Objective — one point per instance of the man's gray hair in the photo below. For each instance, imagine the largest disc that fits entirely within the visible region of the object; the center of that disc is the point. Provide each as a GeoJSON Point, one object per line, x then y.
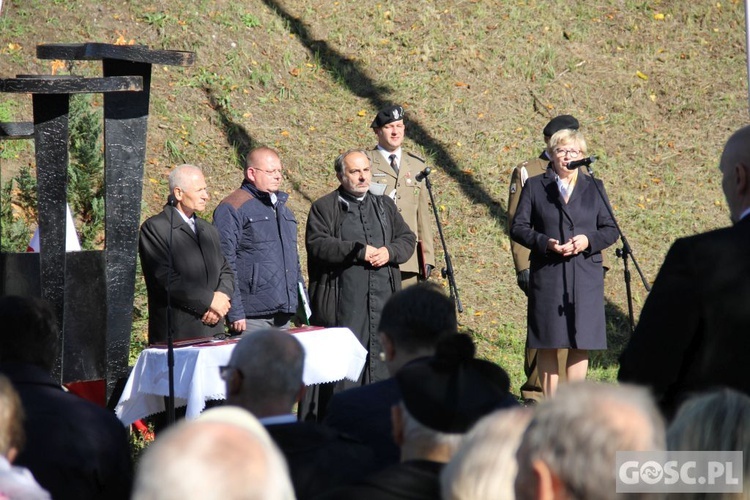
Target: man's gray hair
{"type": "Point", "coordinates": [180, 174]}
{"type": "Point", "coordinates": [271, 362]}
{"type": "Point", "coordinates": [485, 464]}
{"type": "Point", "coordinates": [421, 440]}
{"type": "Point", "coordinates": [718, 420]}
{"type": "Point", "coordinates": [338, 163]}
{"type": "Point", "coordinates": [578, 432]}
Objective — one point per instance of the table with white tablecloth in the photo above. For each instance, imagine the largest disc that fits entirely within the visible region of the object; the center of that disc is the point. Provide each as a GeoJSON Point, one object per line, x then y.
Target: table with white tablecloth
{"type": "Point", "coordinates": [331, 354]}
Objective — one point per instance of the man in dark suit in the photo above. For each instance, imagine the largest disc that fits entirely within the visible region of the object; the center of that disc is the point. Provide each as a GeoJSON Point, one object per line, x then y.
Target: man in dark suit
{"type": "Point", "coordinates": [264, 376]}
{"type": "Point", "coordinates": [183, 263]}
{"type": "Point", "coordinates": [694, 328]}
{"type": "Point", "coordinates": [413, 322]}
{"type": "Point", "coordinates": [75, 449]}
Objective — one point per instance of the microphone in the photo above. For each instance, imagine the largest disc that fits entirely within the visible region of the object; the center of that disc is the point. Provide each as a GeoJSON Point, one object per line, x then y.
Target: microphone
{"type": "Point", "coordinates": [582, 162]}
{"type": "Point", "coordinates": [424, 173]}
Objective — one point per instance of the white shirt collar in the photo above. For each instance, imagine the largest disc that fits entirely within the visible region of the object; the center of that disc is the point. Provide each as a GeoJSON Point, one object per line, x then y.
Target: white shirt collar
{"type": "Point", "coordinates": [288, 418]}
{"type": "Point", "coordinates": [190, 220]}
{"type": "Point", "coordinates": [385, 153]}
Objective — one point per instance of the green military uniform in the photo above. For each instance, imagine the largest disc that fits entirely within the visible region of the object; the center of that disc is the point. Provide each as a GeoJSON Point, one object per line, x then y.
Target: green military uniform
{"type": "Point", "coordinates": [412, 201]}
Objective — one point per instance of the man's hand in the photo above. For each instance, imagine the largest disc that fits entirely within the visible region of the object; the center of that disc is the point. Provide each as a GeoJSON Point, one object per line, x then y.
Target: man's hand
{"type": "Point", "coordinates": [369, 251]}
{"type": "Point", "coordinates": [218, 309]}
{"type": "Point", "coordinates": [220, 304]}
{"type": "Point", "coordinates": [522, 278]}
{"type": "Point", "coordinates": [238, 326]}
{"type": "Point", "coordinates": [379, 257]}
{"type": "Point", "coordinates": [210, 318]}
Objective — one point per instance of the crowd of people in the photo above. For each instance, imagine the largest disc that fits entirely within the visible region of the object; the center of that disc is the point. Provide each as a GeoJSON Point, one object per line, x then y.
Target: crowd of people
{"type": "Point", "coordinates": [427, 419]}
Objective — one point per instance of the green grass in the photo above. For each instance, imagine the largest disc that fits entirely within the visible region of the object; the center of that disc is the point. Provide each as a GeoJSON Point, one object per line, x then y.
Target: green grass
{"type": "Point", "coordinates": [478, 79]}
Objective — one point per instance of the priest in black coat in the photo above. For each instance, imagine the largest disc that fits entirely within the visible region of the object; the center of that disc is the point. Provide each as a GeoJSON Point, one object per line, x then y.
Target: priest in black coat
{"type": "Point", "coordinates": [355, 242]}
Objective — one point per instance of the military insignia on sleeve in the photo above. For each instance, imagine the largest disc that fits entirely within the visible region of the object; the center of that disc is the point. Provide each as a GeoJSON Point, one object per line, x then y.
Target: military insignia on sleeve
{"type": "Point", "coordinates": [513, 188]}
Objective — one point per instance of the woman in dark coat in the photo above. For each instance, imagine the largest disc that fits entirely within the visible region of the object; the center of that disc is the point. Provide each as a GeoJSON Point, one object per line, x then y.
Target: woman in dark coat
{"type": "Point", "coordinates": [563, 220]}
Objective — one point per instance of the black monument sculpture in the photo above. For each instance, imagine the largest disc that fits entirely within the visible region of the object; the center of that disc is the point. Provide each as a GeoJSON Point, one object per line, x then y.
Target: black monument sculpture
{"type": "Point", "coordinates": [92, 291]}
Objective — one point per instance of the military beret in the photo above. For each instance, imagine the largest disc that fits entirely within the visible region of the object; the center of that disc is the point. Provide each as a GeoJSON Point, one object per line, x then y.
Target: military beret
{"type": "Point", "coordinates": [559, 123]}
{"type": "Point", "coordinates": [452, 390]}
{"type": "Point", "coordinates": [387, 115]}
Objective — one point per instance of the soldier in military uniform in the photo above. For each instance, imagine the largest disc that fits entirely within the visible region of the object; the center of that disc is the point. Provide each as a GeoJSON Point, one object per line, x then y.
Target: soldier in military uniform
{"type": "Point", "coordinates": [394, 173]}
{"type": "Point", "coordinates": [531, 390]}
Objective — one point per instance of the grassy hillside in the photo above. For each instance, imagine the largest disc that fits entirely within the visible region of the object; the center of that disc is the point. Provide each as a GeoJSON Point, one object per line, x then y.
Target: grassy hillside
{"type": "Point", "coordinates": [658, 87]}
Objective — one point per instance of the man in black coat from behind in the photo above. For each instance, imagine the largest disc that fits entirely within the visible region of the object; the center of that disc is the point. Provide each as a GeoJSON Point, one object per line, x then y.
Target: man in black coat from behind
{"type": "Point", "coordinates": [412, 323]}
{"type": "Point", "coordinates": [264, 376]}
{"type": "Point", "coordinates": [692, 335]}
{"type": "Point", "coordinates": [75, 449]}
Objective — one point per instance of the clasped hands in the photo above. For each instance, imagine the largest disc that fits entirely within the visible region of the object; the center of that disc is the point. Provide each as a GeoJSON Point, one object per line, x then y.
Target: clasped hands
{"type": "Point", "coordinates": [377, 257]}
{"type": "Point", "coordinates": [573, 246]}
{"type": "Point", "coordinates": [218, 309]}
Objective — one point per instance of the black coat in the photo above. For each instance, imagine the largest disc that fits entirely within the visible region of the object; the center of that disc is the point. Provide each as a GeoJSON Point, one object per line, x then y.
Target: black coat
{"type": "Point", "coordinates": [412, 480]}
{"type": "Point", "coordinates": [566, 294]}
{"type": "Point", "coordinates": [365, 413]}
{"type": "Point", "coordinates": [75, 449]}
{"type": "Point", "coordinates": [694, 329]}
{"type": "Point", "coordinates": [199, 269]}
{"type": "Point", "coordinates": [344, 289]}
{"type": "Point", "coordinates": [328, 255]}
{"type": "Point", "coordinates": [320, 459]}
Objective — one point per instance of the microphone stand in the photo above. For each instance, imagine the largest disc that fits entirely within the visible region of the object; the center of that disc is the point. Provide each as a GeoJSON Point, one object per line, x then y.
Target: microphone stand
{"type": "Point", "coordinates": [170, 334]}
{"type": "Point", "coordinates": [447, 271]}
{"type": "Point", "coordinates": [623, 253]}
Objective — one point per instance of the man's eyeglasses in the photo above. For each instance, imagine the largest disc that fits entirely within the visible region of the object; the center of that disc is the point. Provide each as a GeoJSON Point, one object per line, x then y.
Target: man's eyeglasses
{"type": "Point", "coordinates": [573, 153]}
{"type": "Point", "coordinates": [272, 173]}
{"type": "Point", "coordinates": [225, 372]}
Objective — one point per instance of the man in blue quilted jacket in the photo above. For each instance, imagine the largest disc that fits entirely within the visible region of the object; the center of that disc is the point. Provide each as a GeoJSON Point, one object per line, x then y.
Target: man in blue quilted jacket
{"type": "Point", "coordinates": [259, 239]}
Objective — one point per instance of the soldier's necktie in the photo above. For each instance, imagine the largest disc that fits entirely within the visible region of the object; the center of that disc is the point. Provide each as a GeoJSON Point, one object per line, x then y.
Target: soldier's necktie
{"type": "Point", "coordinates": [394, 165]}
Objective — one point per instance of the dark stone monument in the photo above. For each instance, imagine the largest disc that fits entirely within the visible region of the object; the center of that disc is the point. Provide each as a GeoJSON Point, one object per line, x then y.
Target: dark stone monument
{"type": "Point", "coordinates": [92, 291]}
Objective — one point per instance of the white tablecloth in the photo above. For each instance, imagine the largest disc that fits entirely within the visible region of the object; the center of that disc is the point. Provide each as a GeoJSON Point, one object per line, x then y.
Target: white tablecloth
{"type": "Point", "coordinates": [331, 355]}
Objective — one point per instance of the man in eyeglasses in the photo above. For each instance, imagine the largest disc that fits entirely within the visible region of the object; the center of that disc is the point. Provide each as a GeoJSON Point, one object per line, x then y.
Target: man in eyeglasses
{"type": "Point", "coordinates": [259, 239]}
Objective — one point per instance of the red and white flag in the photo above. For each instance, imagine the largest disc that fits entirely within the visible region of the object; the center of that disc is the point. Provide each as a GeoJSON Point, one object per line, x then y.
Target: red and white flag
{"type": "Point", "coordinates": [71, 237]}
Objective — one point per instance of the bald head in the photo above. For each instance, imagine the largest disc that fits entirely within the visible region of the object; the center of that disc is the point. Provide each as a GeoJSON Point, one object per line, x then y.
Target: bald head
{"type": "Point", "coordinates": [263, 169]}
{"type": "Point", "coordinates": [211, 460]}
{"type": "Point", "coordinates": [735, 169]}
